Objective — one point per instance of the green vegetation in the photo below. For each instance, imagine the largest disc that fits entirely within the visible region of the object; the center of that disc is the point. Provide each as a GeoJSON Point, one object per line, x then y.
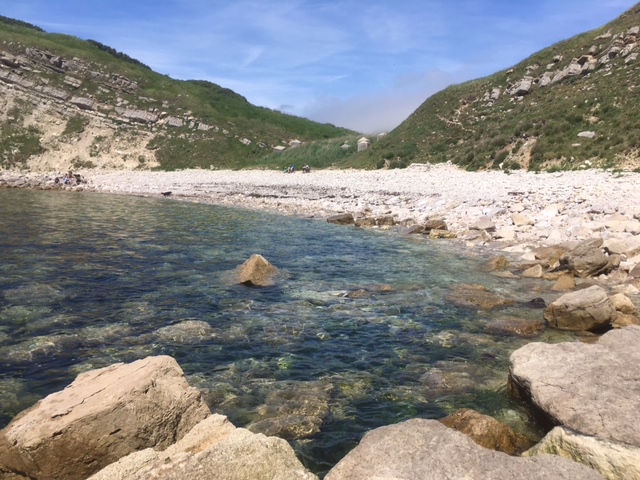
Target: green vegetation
{"type": "Point", "coordinates": [461, 124]}
{"type": "Point", "coordinates": [17, 145]}
{"type": "Point", "coordinates": [19, 23]}
{"type": "Point", "coordinates": [458, 125]}
{"type": "Point", "coordinates": [234, 133]}
{"type": "Point", "coordinates": [75, 125]}
{"type": "Point", "coordinates": [117, 54]}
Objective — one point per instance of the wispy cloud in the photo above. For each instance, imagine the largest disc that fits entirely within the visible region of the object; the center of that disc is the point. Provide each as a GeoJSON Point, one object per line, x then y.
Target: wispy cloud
{"type": "Point", "coordinates": [362, 64]}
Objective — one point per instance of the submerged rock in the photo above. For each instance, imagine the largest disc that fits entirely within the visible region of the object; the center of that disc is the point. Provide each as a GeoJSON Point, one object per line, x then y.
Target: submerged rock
{"type": "Point", "coordinates": [475, 296]}
{"type": "Point", "coordinates": [427, 449]}
{"type": "Point", "coordinates": [186, 332]}
{"type": "Point", "coordinates": [294, 412]}
{"type": "Point", "coordinates": [515, 326]}
{"type": "Point", "coordinates": [486, 431]}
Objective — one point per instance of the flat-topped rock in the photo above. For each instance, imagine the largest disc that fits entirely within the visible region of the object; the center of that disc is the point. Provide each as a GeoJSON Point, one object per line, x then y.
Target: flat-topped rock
{"type": "Point", "coordinates": [427, 449]}
{"type": "Point", "coordinates": [102, 416]}
{"type": "Point", "coordinates": [591, 388]}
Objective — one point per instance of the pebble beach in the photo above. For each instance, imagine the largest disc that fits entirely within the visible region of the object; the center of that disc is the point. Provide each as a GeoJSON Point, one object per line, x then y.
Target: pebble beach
{"type": "Point", "coordinates": [515, 210]}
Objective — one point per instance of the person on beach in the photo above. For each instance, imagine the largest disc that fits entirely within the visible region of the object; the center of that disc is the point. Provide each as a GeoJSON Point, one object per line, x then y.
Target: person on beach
{"type": "Point", "coordinates": [306, 169]}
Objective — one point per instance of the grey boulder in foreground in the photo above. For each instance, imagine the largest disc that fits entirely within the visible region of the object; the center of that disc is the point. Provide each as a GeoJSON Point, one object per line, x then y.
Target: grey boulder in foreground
{"type": "Point", "coordinates": [426, 449]}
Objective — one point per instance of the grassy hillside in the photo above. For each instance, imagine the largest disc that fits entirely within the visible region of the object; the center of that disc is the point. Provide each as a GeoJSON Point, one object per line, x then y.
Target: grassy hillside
{"type": "Point", "coordinates": [233, 133]}
{"type": "Point", "coordinates": [537, 130]}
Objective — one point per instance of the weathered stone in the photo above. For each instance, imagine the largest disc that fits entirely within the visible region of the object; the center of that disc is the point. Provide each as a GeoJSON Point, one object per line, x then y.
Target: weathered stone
{"type": "Point", "coordinates": [520, 219]}
{"type": "Point", "coordinates": [487, 432]}
{"type": "Point", "coordinates": [435, 225]}
{"type": "Point", "coordinates": [586, 260]}
{"type": "Point", "coordinates": [515, 326]}
{"type": "Point", "coordinates": [439, 234]}
{"type": "Point", "coordinates": [564, 283]}
{"type": "Point", "coordinates": [341, 219]}
{"type": "Point", "coordinates": [587, 309]}
{"type": "Point", "coordinates": [427, 449]}
{"type": "Point", "coordinates": [533, 272]}
{"type": "Point", "coordinates": [499, 262]}
{"type": "Point", "coordinates": [414, 229]}
{"type": "Point", "coordinates": [624, 320]}
{"type": "Point", "coordinates": [551, 253]}
{"type": "Point", "coordinates": [522, 88]}
{"type": "Point", "coordinates": [629, 246]}
{"type": "Point", "coordinates": [623, 304]}
{"type": "Point", "coordinates": [614, 460]}
{"type": "Point", "coordinates": [139, 116]}
{"type": "Point", "coordinates": [483, 223]}
{"type": "Point", "coordinates": [83, 103]}
{"type": "Point", "coordinates": [591, 388]}
{"type": "Point", "coordinates": [256, 271]}
{"type": "Point", "coordinates": [475, 296]}
{"type": "Point", "coordinates": [214, 448]}
{"type": "Point", "coordinates": [102, 416]}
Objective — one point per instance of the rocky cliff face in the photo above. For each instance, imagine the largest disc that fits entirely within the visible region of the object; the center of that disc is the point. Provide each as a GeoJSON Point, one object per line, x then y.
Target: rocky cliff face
{"type": "Point", "coordinates": [66, 104]}
{"type": "Point", "coordinates": [568, 106]}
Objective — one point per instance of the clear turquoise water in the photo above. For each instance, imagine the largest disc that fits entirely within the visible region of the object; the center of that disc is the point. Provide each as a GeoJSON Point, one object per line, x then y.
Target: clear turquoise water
{"type": "Point", "coordinates": [87, 280]}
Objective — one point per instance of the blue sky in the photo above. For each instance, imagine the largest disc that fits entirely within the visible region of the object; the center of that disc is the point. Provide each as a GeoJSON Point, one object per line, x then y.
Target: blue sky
{"type": "Point", "coordinates": [364, 65]}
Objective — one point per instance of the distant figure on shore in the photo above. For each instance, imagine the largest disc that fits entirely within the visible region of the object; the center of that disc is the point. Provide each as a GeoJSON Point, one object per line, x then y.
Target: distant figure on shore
{"type": "Point", "coordinates": [289, 169]}
{"type": "Point", "coordinates": [306, 169]}
{"type": "Point", "coordinates": [165, 194]}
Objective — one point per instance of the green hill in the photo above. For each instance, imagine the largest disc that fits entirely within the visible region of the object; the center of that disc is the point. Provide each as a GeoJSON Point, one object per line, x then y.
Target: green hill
{"type": "Point", "coordinates": [530, 116]}
{"type": "Point", "coordinates": [68, 102]}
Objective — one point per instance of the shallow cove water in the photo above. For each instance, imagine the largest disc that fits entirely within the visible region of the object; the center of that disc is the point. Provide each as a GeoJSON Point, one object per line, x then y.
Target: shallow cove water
{"type": "Point", "coordinates": [355, 335]}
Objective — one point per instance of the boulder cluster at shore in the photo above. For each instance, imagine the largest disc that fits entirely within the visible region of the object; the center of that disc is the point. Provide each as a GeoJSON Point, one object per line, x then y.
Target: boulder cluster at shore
{"type": "Point", "coordinates": [578, 230]}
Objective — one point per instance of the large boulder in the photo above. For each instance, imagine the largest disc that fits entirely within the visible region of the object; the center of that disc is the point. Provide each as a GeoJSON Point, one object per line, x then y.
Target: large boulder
{"type": "Point", "coordinates": [102, 416]}
{"type": "Point", "coordinates": [427, 449]}
{"type": "Point", "coordinates": [487, 431]}
{"type": "Point", "coordinates": [586, 260]}
{"type": "Point", "coordinates": [614, 460]}
{"type": "Point", "coordinates": [213, 449]}
{"type": "Point", "coordinates": [591, 388]}
{"type": "Point", "coordinates": [588, 309]}
{"type": "Point", "coordinates": [256, 271]}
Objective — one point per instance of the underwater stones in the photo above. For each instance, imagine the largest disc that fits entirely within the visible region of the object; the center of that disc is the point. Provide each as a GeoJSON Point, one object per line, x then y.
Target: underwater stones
{"type": "Point", "coordinates": [420, 448]}
{"type": "Point", "coordinates": [486, 431]}
{"type": "Point", "coordinates": [294, 412]}
{"type": "Point", "coordinates": [586, 309]}
{"type": "Point", "coordinates": [185, 332]}
{"type": "Point", "coordinates": [515, 326]}
{"type": "Point", "coordinates": [256, 271]}
{"type": "Point", "coordinates": [39, 348]}
{"type": "Point", "coordinates": [36, 294]}
{"type": "Point", "coordinates": [100, 417]}
{"type": "Point", "coordinates": [498, 262]}
{"type": "Point", "coordinates": [475, 296]}
{"type": "Point", "coordinates": [593, 389]}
